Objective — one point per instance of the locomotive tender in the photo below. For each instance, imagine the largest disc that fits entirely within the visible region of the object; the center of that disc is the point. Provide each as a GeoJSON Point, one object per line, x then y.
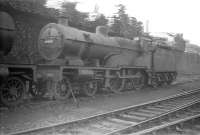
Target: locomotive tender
{"type": "Point", "coordinates": [82, 62]}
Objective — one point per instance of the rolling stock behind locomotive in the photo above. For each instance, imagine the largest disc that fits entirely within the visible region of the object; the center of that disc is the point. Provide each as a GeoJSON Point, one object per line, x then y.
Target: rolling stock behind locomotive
{"type": "Point", "coordinates": [82, 62]}
{"type": "Point", "coordinates": [7, 34]}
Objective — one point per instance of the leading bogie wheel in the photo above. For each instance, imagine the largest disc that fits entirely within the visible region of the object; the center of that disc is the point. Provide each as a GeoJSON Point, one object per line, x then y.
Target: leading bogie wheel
{"type": "Point", "coordinates": [90, 88]}
{"type": "Point", "coordinates": [38, 89]}
{"type": "Point", "coordinates": [63, 89]}
{"type": "Point", "coordinates": [12, 93]}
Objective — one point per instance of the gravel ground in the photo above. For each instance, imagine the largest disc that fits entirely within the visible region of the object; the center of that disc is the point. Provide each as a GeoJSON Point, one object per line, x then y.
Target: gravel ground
{"type": "Point", "coordinates": [42, 113]}
{"type": "Point", "coordinates": [187, 128]}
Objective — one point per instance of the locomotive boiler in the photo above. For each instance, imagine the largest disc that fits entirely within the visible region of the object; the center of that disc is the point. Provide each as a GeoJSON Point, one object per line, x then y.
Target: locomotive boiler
{"type": "Point", "coordinates": [58, 41]}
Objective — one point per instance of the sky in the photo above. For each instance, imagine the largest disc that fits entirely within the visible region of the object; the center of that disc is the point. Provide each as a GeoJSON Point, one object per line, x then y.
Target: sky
{"type": "Point", "coordinates": [175, 16]}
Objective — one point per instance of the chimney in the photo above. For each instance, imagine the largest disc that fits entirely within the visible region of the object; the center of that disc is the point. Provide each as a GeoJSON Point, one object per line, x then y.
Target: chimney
{"type": "Point", "coordinates": [63, 20]}
{"type": "Point", "coordinates": [102, 30]}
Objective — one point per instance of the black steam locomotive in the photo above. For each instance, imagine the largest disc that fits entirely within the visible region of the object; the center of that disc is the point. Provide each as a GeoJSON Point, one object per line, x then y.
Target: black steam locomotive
{"type": "Point", "coordinates": [83, 62]}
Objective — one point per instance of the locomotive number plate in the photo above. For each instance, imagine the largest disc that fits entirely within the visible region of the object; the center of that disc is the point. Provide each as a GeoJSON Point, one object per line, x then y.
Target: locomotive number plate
{"type": "Point", "coordinates": [49, 41]}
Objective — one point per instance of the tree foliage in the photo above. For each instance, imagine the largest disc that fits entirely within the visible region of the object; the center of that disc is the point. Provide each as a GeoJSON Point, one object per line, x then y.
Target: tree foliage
{"type": "Point", "coordinates": [100, 20]}
{"type": "Point", "coordinates": [76, 18]}
{"type": "Point", "coordinates": [125, 26]}
{"type": "Point", "coordinates": [29, 17]}
{"type": "Point", "coordinates": [36, 7]}
{"type": "Point", "coordinates": [80, 19]}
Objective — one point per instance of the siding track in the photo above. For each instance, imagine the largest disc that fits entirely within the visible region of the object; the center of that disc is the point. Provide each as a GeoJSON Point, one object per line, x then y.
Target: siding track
{"type": "Point", "coordinates": [139, 119]}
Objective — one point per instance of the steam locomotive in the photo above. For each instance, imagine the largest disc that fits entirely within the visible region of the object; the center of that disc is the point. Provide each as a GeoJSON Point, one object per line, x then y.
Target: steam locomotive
{"type": "Point", "coordinates": [77, 61]}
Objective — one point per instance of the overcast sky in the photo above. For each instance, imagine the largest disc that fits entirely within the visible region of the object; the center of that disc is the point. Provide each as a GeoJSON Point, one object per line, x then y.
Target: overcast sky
{"type": "Point", "coordinates": [177, 16]}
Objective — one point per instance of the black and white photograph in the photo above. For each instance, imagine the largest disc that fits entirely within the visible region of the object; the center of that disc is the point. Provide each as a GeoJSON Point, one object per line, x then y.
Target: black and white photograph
{"type": "Point", "coordinates": [99, 67]}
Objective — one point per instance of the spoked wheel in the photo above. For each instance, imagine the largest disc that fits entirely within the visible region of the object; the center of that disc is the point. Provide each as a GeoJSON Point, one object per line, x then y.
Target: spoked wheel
{"type": "Point", "coordinates": [170, 79]}
{"type": "Point", "coordinates": [169, 82]}
{"type": "Point", "coordinates": [39, 89]}
{"type": "Point", "coordinates": [116, 85]}
{"type": "Point", "coordinates": [139, 82]}
{"type": "Point", "coordinates": [129, 84]}
{"type": "Point", "coordinates": [63, 89]}
{"type": "Point", "coordinates": [163, 81]}
{"type": "Point", "coordinates": [154, 82]}
{"type": "Point", "coordinates": [174, 77]}
{"type": "Point", "coordinates": [12, 93]}
{"type": "Point", "coordinates": [90, 88]}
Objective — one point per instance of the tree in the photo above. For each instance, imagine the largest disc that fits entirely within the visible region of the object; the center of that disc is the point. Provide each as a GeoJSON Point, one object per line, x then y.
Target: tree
{"type": "Point", "coordinates": [36, 7]}
{"type": "Point", "coordinates": [29, 17]}
{"type": "Point", "coordinates": [76, 18]}
{"type": "Point", "coordinates": [136, 28]}
{"type": "Point", "coordinates": [125, 26]}
{"type": "Point", "coordinates": [120, 22]}
{"type": "Point", "coordinates": [101, 20]}
{"type": "Point", "coordinates": [41, 2]}
{"type": "Point", "coordinates": [81, 20]}
{"type": "Point", "coordinates": [115, 27]}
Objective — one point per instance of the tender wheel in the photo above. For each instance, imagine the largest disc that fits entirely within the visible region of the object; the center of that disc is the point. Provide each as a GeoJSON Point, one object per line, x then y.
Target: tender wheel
{"type": "Point", "coordinates": [116, 85]}
{"type": "Point", "coordinates": [90, 88]}
{"type": "Point", "coordinates": [169, 82]}
{"type": "Point", "coordinates": [139, 82]}
{"type": "Point", "coordinates": [12, 93]}
{"type": "Point", "coordinates": [154, 82]}
{"type": "Point", "coordinates": [39, 89]}
{"type": "Point", "coordinates": [174, 76]}
{"type": "Point", "coordinates": [163, 80]}
{"type": "Point", "coordinates": [63, 89]}
{"type": "Point", "coordinates": [170, 79]}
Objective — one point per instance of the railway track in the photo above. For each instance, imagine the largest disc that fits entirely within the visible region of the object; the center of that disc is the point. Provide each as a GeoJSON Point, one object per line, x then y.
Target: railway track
{"type": "Point", "coordinates": [140, 119]}
{"type": "Point", "coordinates": [177, 118]}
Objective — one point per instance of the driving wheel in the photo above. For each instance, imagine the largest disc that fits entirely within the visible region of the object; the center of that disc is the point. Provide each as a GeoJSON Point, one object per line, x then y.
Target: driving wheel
{"type": "Point", "coordinates": [138, 83]}
{"type": "Point", "coordinates": [12, 93]}
{"type": "Point", "coordinates": [63, 89]}
{"type": "Point", "coordinates": [90, 88]}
